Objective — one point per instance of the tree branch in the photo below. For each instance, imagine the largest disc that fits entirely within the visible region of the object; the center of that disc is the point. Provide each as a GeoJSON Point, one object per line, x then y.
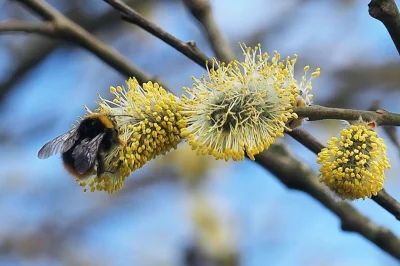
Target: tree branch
{"type": "Point", "coordinates": [386, 11]}
{"type": "Point", "coordinates": [46, 29]}
{"type": "Point", "coordinates": [383, 199]}
{"type": "Point", "coordinates": [74, 33]}
{"type": "Point", "coordinates": [202, 11]}
{"type": "Point", "coordinates": [296, 175]}
{"type": "Point", "coordinates": [189, 49]}
{"type": "Point", "coordinates": [388, 203]}
{"type": "Point", "coordinates": [316, 112]}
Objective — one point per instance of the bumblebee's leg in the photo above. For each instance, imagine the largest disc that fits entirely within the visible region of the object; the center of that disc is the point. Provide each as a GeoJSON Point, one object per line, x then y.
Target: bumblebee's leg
{"type": "Point", "coordinates": [100, 166]}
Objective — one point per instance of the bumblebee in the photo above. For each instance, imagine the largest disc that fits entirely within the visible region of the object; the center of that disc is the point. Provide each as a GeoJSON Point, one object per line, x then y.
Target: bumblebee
{"type": "Point", "coordinates": [84, 146]}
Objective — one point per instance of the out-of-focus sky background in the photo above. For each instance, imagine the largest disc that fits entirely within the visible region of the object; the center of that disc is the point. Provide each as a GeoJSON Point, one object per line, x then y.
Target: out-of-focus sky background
{"type": "Point", "coordinates": [46, 219]}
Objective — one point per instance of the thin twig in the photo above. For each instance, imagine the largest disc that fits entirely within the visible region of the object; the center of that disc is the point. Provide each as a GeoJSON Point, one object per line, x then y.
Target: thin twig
{"type": "Point", "coordinates": [383, 199]}
{"type": "Point", "coordinates": [74, 33]}
{"type": "Point", "coordinates": [202, 11]}
{"type": "Point", "coordinates": [316, 112]}
{"type": "Point", "coordinates": [187, 48]}
{"type": "Point", "coordinates": [387, 12]}
{"type": "Point", "coordinates": [17, 26]}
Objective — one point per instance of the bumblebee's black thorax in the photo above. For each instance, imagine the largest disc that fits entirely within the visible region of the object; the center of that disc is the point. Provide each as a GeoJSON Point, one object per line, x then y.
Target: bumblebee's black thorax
{"type": "Point", "coordinates": [89, 128]}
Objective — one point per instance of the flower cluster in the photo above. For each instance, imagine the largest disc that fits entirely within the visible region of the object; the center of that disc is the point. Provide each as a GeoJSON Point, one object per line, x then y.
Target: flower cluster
{"type": "Point", "coordinates": [241, 108]}
{"type": "Point", "coordinates": [353, 165]}
{"type": "Point", "coordinates": [237, 110]}
{"type": "Point", "coordinates": [149, 122]}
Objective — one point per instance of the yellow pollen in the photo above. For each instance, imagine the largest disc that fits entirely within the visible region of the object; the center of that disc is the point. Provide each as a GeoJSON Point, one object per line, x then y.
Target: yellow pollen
{"type": "Point", "coordinates": [364, 165]}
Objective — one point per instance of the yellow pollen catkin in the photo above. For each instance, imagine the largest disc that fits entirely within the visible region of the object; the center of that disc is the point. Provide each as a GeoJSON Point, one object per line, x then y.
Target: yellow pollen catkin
{"type": "Point", "coordinates": [242, 107]}
{"type": "Point", "coordinates": [353, 166]}
{"type": "Point", "coordinates": [149, 123]}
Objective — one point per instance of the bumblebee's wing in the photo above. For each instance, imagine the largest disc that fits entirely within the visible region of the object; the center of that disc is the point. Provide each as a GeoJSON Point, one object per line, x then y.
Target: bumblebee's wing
{"type": "Point", "coordinates": [61, 144]}
{"type": "Point", "coordinates": [86, 152]}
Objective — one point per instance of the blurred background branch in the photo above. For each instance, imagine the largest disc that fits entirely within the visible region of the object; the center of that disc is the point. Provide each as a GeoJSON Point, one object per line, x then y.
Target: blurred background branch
{"type": "Point", "coordinates": [202, 11]}
{"type": "Point", "coordinates": [36, 50]}
{"type": "Point", "coordinates": [46, 29]}
{"type": "Point", "coordinates": [74, 33]}
{"type": "Point", "coordinates": [387, 12]}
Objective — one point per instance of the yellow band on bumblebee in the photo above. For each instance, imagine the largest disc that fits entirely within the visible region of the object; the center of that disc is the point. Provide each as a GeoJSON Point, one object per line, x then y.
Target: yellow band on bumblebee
{"type": "Point", "coordinates": [105, 119]}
